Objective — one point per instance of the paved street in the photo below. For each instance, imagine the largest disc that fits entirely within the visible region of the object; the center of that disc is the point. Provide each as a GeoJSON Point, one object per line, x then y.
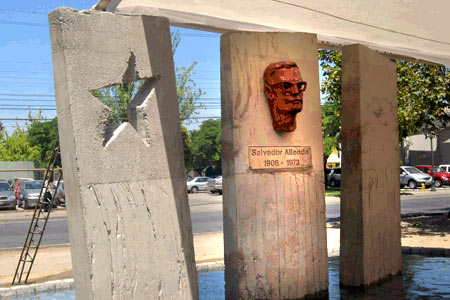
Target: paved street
{"type": "Point", "coordinates": [206, 214]}
{"type": "Point", "coordinates": [411, 202]}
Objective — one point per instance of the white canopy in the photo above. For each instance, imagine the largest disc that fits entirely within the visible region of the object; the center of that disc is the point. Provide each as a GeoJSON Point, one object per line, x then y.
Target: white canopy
{"type": "Point", "coordinates": [405, 28]}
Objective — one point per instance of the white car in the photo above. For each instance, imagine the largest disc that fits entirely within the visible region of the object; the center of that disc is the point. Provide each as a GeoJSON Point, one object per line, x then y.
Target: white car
{"type": "Point", "coordinates": [446, 168]}
{"type": "Point", "coordinates": [215, 185]}
{"type": "Point", "coordinates": [197, 184]}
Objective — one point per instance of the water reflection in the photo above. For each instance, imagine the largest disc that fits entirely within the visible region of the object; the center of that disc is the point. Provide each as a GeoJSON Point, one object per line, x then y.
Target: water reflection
{"type": "Point", "coordinates": [391, 289]}
{"type": "Point", "coordinates": [421, 278]}
{"type": "Point", "coordinates": [426, 277]}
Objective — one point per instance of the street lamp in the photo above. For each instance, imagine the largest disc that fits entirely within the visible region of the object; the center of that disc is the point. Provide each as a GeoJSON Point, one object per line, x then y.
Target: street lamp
{"type": "Point", "coordinates": [430, 134]}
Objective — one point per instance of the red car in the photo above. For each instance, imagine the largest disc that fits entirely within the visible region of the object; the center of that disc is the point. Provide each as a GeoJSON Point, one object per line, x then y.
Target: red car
{"type": "Point", "coordinates": [16, 186]}
{"type": "Point", "coordinates": [440, 176]}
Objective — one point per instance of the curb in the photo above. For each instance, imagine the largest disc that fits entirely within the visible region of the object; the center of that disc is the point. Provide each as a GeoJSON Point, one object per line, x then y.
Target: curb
{"type": "Point", "coordinates": [210, 266]}
{"type": "Point", "coordinates": [442, 252]}
{"type": "Point", "coordinates": [49, 287]}
{"type": "Point", "coordinates": [24, 291]}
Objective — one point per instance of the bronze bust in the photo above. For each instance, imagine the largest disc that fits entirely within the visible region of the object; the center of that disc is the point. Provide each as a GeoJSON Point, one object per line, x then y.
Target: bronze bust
{"type": "Point", "coordinates": [284, 87]}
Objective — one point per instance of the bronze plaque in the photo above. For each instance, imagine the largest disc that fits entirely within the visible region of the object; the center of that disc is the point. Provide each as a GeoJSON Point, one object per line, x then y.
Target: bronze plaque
{"type": "Point", "coordinates": [279, 157]}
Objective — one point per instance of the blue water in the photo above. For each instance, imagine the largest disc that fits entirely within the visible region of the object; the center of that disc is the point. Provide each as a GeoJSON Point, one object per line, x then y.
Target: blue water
{"type": "Point", "coordinates": [422, 278]}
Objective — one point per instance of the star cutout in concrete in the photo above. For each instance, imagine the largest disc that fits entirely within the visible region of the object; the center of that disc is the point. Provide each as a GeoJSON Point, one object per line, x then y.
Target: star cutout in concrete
{"type": "Point", "coordinates": [126, 100]}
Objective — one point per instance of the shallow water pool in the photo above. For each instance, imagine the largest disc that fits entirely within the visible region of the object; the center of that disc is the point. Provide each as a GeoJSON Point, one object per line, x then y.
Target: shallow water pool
{"type": "Point", "coordinates": [422, 278]}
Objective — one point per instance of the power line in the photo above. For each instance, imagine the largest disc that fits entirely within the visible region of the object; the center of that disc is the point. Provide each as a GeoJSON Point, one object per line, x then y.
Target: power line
{"type": "Point", "coordinates": [200, 35]}
{"type": "Point", "coordinates": [28, 77]}
{"type": "Point", "coordinates": [23, 11]}
{"type": "Point", "coordinates": [25, 62]}
{"type": "Point", "coordinates": [206, 35]}
{"type": "Point", "coordinates": [27, 100]}
{"type": "Point", "coordinates": [214, 79]}
{"type": "Point", "coordinates": [29, 95]}
{"type": "Point", "coordinates": [23, 23]}
{"type": "Point", "coordinates": [25, 84]}
{"type": "Point", "coordinates": [18, 108]}
{"type": "Point", "coordinates": [25, 72]}
{"type": "Point", "coordinates": [211, 117]}
{"type": "Point", "coordinates": [25, 105]}
{"type": "Point", "coordinates": [207, 71]}
{"type": "Point", "coordinates": [24, 119]}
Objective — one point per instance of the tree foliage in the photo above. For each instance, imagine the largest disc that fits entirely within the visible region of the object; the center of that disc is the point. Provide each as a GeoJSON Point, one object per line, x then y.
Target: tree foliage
{"type": "Point", "coordinates": [330, 61]}
{"type": "Point", "coordinates": [117, 99]}
{"type": "Point", "coordinates": [206, 146]}
{"type": "Point", "coordinates": [42, 135]}
{"type": "Point", "coordinates": [423, 93]}
{"type": "Point", "coordinates": [17, 147]}
{"type": "Point", "coordinates": [187, 93]}
{"type": "Point", "coordinates": [187, 148]}
{"type": "Point", "coordinates": [423, 97]}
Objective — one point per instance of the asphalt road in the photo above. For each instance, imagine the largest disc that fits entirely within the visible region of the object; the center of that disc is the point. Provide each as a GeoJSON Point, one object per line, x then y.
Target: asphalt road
{"type": "Point", "coordinates": [206, 215]}
{"type": "Point", "coordinates": [410, 203]}
{"type": "Point", "coordinates": [13, 234]}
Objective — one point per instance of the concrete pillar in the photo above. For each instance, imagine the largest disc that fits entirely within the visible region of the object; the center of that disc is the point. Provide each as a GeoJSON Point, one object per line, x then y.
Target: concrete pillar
{"type": "Point", "coordinates": [370, 195]}
{"type": "Point", "coordinates": [127, 206]}
{"type": "Point", "coordinates": [274, 217]}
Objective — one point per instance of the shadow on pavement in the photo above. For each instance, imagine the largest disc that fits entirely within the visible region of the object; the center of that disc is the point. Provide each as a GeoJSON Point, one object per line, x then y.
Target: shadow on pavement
{"type": "Point", "coordinates": [428, 225]}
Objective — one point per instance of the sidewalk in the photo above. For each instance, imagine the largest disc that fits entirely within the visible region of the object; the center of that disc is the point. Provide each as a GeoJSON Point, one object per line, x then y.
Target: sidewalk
{"type": "Point", "coordinates": [54, 262]}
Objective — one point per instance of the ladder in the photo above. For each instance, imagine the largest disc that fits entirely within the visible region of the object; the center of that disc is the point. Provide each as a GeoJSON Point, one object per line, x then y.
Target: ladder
{"type": "Point", "coordinates": [39, 219]}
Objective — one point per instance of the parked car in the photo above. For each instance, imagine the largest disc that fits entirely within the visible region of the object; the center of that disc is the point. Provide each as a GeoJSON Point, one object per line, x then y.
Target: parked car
{"type": "Point", "coordinates": [440, 176]}
{"type": "Point", "coordinates": [334, 178]}
{"type": "Point", "coordinates": [28, 193]}
{"type": "Point", "coordinates": [16, 185]}
{"type": "Point", "coordinates": [446, 168]}
{"type": "Point", "coordinates": [412, 177]}
{"type": "Point", "coordinates": [326, 174]}
{"type": "Point", "coordinates": [197, 184]}
{"type": "Point", "coordinates": [7, 198]}
{"type": "Point", "coordinates": [60, 196]}
{"type": "Point", "coordinates": [215, 185]}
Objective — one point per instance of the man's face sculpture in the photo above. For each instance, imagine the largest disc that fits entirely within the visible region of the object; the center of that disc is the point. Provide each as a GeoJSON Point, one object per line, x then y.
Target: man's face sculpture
{"type": "Point", "coordinates": [284, 87]}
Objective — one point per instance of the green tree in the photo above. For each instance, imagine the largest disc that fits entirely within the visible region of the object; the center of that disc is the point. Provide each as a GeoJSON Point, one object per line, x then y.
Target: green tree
{"type": "Point", "coordinates": [42, 135]}
{"type": "Point", "coordinates": [117, 98]}
{"type": "Point", "coordinates": [187, 93]}
{"type": "Point", "coordinates": [423, 97]}
{"type": "Point", "coordinates": [17, 147]}
{"type": "Point", "coordinates": [330, 61]}
{"type": "Point", "coordinates": [206, 145]}
{"type": "Point", "coordinates": [187, 148]}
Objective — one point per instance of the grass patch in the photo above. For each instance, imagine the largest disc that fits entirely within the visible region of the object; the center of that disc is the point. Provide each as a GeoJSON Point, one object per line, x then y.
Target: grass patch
{"type": "Point", "coordinates": [335, 193]}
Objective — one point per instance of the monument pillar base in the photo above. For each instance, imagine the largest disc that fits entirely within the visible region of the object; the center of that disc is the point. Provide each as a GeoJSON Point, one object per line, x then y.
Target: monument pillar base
{"type": "Point", "coordinates": [127, 207]}
{"type": "Point", "coordinates": [370, 190]}
{"type": "Point", "coordinates": [274, 206]}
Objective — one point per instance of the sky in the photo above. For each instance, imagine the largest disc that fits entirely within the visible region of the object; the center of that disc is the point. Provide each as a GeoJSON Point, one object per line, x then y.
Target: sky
{"type": "Point", "coordinates": [26, 77]}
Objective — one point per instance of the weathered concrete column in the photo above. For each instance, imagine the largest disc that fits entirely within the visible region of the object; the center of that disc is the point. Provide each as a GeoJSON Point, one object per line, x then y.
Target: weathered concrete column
{"type": "Point", "coordinates": [370, 193]}
{"type": "Point", "coordinates": [127, 206]}
{"type": "Point", "coordinates": [274, 210]}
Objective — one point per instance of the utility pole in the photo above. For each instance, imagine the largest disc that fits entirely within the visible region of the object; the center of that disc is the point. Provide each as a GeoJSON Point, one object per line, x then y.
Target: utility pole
{"type": "Point", "coordinates": [431, 135]}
